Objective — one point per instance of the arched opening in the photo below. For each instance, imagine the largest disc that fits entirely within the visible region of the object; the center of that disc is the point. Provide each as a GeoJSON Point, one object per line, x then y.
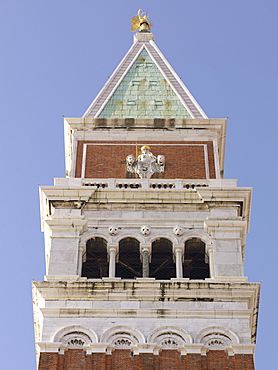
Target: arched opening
{"type": "Point", "coordinates": [196, 261]}
{"type": "Point", "coordinates": [96, 262]}
{"type": "Point", "coordinates": [162, 265]}
{"type": "Point", "coordinates": [129, 264]}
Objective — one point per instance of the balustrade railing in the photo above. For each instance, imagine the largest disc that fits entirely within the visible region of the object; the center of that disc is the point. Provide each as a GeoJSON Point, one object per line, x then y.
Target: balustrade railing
{"type": "Point", "coordinates": [146, 184]}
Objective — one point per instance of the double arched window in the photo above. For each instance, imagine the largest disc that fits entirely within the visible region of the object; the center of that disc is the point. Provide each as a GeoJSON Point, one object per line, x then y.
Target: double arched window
{"type": "Point", "coordinates": [158, 262]}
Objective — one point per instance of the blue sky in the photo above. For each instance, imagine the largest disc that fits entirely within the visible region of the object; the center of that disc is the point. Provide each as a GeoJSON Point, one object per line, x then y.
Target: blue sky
{"type": "Point", "coordinates": [55, 57]}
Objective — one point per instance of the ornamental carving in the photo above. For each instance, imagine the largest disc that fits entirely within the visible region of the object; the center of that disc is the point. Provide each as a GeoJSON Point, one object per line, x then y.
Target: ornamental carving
{"type": "Point", "coordinates": [113, 230]}
{"type": "Point", "coordinates": [146, 163]}
{"type": "Point", "coordinates": [217, 341]}
{"type": "Point", "coordinates": [122, 343]}
{"type": "Point", "coordinates": [76, 339]}
{"type": "Point", "coordinates": [216, 344]}
{"type": "Point", "coordinates": [178, 231]}
{"type": "Point", "coordinates": [75, 343]}
{"type": "Point", "coordinates": [145, 230]}
{"type": "Point", "coordinates": [169, 343]}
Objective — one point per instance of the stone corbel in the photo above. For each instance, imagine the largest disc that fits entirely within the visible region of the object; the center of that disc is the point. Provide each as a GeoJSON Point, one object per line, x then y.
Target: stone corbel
{"type": "Point", "coordinates": [145, 348]}
{"type": "Point", "coordinates": [96, 348]}
{"type": "Point", "coordinates": [49, 346]}
{"type": "Point", "coordinates": [190, 348]}
{"type": "Point", "coordinates": [205, 349]}
{"type": "Point", "coordinates": [243, 349]}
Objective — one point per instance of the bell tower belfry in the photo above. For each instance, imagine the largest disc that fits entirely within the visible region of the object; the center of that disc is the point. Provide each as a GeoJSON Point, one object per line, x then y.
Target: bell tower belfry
{"type": "Point", "coordinates": [144, 238]}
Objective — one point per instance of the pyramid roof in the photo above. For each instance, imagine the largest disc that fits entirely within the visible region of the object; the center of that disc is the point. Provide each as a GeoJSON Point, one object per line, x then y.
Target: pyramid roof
{"type": "Point", "coordinates": [144, 85]}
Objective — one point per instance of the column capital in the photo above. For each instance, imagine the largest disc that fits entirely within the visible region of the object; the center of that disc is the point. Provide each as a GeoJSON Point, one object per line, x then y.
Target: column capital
{"type": "Point", "coordinates": [177, 247]}
{"type": "Point", "coordinates": [112, 246]}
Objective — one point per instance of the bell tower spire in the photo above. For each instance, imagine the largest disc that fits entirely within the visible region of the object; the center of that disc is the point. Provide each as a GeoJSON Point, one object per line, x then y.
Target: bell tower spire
{"type": "Point", "coordinates": [145, 249]}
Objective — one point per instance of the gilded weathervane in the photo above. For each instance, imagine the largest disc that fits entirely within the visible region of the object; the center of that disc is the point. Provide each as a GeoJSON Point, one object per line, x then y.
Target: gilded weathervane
{"type": "Point", "coordinates": [141, 21]}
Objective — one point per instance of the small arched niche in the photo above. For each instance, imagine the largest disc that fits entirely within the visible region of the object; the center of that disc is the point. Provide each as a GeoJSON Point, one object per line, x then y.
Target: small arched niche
{"type": "Point", "coordinates": [129, 265]}
{"type": "Point", "coordinates": [95, 263]}
{"type": "Point", "coordinates": [162, 265]}
{"type": "Point", "coordinates": [196, 261]}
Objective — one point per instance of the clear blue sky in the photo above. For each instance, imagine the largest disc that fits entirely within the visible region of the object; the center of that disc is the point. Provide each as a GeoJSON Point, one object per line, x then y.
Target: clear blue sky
{"type": "Point", "coordinates": [55, 57]}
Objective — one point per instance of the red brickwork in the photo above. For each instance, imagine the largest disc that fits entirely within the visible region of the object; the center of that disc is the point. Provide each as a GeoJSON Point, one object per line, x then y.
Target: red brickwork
{"type": "Point", "coordinates": [74, 358]}
{"type": "Point", "coordinates": [183, 159]}
{"type": "Point", "coordinates": [123, 359]}
{"type": "Point", "coordinates": [49, 361]}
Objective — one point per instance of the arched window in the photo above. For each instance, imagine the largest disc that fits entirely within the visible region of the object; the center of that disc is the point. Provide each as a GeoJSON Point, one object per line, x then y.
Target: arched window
{"type": "Point", "coordinates": [196, 262]}
{"type": "Point", "coordinates": [96, 262]}
{"type": "Point", "coordinates": [129, 264]}
{"type": "Point", "coordinates": [162, 265]}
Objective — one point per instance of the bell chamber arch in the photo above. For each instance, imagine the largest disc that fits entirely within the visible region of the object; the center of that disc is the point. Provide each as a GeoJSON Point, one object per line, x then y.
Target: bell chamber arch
{"type": "Point", "coordinates": [95, 260]}
{"type": "Point", "coordinates": [129, 265]}
{"type": "Point", "coordinates": [196, 260]}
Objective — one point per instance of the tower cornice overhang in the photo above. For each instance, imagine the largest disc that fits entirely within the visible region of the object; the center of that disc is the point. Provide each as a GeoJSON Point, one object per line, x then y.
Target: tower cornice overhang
{"type": "Point", "coordinates": [78, 197]}
{"type": "Point", "coordinates": [208, 292]}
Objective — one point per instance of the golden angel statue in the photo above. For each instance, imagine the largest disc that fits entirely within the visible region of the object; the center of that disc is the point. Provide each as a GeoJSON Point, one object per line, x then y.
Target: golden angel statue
{"type": "Point", "coordinates": [141, 21]}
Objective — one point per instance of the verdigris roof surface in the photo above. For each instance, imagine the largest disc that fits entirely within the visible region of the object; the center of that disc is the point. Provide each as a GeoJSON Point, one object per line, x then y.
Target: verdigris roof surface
{"type": "Point", "coordinates": [144, 93]}
{"type": "Point", "coordinates": [144, 85]}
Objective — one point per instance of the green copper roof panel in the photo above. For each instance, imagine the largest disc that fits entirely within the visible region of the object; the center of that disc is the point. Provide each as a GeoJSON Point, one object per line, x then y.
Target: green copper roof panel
{"type": "Point", "coordinates": [144, 93]}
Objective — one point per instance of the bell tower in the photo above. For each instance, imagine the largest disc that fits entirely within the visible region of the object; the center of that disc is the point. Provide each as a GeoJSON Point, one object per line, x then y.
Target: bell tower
{"type": "Point", "coordinates": [144, 238]}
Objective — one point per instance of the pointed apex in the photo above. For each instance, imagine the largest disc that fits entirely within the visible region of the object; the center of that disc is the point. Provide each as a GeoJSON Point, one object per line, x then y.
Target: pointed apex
{"type": "Point", "coordinates": [144, 85]}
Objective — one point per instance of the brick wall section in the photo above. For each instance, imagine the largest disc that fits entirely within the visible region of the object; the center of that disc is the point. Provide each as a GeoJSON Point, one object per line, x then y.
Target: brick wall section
{"type": "Point", "coordinates": [244, 362]}
{"type": "Point", "coordinates": [171, 360]}
{"type": "Point", "coordinates": [193, 362]}
{"type": "Point", "coordinates": [61, 361]}
{"type": "Point", "coordinates": [74, 359]}
{"type": "Point", "coordinates": [96, 361]}
{"type": "Point", "coordinates": [217, 360]}
{"type": "Point", "coordinates": [182, 161]}
{"type": "Point", "coordinates": [123, 359]}
{"type": "Point", "coordinates": [49, 361]}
